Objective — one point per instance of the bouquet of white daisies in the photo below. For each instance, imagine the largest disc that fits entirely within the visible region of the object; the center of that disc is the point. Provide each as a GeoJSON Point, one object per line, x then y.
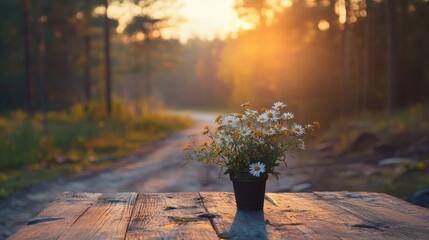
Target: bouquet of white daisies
{"type": "Point", "coordinates": [252, 141]}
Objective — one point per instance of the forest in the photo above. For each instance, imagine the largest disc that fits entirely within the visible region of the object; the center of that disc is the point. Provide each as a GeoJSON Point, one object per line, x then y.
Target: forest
{"type": "Point", "coordinates": [326, 58]}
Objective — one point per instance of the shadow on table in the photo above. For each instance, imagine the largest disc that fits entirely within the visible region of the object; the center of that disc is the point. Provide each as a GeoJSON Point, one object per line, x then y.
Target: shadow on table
{"type": "Point", "coordinates": [248, 225]}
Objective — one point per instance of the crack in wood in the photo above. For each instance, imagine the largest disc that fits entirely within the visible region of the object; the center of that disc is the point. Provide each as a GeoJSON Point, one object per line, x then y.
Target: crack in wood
{"type": "Point", "coordinates": [42, 220]}
{"type": "Point", "coordinates": [179, 207]}
{"type": "Point", "coordinates": [376, 226]}
{"type": "Point", "coordinates": [215, 228]}
{"type": "Point", "coordinates": [89, 205]}
{"type": "Point", "coordinates": [270, 200]}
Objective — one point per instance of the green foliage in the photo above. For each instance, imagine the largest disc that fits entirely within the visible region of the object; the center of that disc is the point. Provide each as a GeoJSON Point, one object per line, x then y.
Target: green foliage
{"type": "Point", "coordinates": [72, 141]}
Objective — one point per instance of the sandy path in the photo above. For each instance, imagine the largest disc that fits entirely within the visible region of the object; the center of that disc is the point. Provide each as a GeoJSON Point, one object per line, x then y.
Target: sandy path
{"type": "Point", "coordinates": [158, 169]}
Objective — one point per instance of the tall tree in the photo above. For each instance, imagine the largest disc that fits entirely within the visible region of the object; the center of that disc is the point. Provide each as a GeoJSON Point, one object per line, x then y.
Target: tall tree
{"type": "Point", "coordinates": [108, 90]}
{"type": "Point", "coordinates": [27, 60]}
{"type": "Point", "coordinates": [344, 56]}
{"type": "Point", "coordinates": [87, 40]}
{"type": "Point", "coordinates": [392, 54]}
{"type": "Point", "coordinates": [42, 72]}
{"type": "Point", "coordinates": [146, 25]}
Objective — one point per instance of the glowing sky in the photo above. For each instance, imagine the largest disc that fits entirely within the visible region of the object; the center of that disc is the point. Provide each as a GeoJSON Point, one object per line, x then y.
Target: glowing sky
{"type": "Point", "coordinates": [207, 19]}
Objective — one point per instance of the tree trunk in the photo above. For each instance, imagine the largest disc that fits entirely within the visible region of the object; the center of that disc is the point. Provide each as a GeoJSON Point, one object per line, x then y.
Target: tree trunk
{"type": "Point", "coordinates": [148, 74]}
{"type": "Point", "coordinates": [42, 74]}
{"type": "Point", "coordinates": [27, 64]}
{"type": "Point", "coordinates": [87, 42]}
{"type": "Point", "coordinates": [366, 60]}
{"type": "Point", "coordinates": [108, 96]}
{"type": "Point", "coordinates": [392, 55]}
{"type": "Point", "coordinates": [344, 65]}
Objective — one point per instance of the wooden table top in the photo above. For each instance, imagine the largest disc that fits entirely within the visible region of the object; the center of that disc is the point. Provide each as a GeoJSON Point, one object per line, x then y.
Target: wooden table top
{"type": "Point", "coordinates": [213, 215]}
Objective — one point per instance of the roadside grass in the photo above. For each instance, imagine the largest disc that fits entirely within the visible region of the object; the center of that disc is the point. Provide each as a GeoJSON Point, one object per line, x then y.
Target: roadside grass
{"type": "Point", "coordinates": [345, 131]}
{"type": "Point", "coordinates": [73, 141]}
{"type": "Point", "coordinates": [409, 126]}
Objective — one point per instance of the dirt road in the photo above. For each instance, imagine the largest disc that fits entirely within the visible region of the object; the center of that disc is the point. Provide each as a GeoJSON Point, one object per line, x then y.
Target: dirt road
{"type": "Point", "coordinates": [157, 169]}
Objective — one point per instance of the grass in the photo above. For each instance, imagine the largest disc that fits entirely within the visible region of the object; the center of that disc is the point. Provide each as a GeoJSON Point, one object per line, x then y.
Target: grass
{"type": "Point", "coordinates": [409, 125]}
{"type": "Point", "coordinates": [73, 141]}
{"type": "Point", "coordinates": [345, 131]}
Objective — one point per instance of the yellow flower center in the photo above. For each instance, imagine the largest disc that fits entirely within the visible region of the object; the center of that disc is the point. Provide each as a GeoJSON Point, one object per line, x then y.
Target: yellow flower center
{"type": "Point", "coordinates": [229, 121]}
{"type": "Point", "coordinates": [239, 115]}
{"type": "Point", "coordinates": [256, 168]}
{"type": "Point", "coordinates": [270, 115]}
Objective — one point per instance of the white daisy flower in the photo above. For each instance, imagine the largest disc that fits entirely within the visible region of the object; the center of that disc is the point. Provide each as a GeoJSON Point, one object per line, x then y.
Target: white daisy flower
{"type": "Point", "coordinates": [287, 116]}
{"type": "Point", "coordinates": [262, 118]}
{"type": "Point", "coordinates": [272, 115]}
{"type": "Point", "coordinates": [278, 105]}
{"type": "Point", "coordinates": [270, 132]}
{"type": "Point", "coordinates": [240, 116]}
{"type": "Point", "coordinates": [222, 139]}
{"type": "Point", "coordinates": [244, 131]}
{"type": "Point", "coordinates": [250, 112]}
{"type": "Point", "coordinates": [258, 140]}
{"type": "Point", "coordinates": [298, 129]}
{"type": "Point", "coordinates": [229, 120]}
{"type": "Point", "coordinates": [256, 169]}
{"type": "Point", "coordinates": [301, 145]}
{"type": "Point", "coordinates": [280, 128]}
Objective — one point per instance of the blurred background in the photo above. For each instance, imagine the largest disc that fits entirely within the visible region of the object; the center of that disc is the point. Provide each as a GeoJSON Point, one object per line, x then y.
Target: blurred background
{"type": "Point", "coordinates": [86, 92]}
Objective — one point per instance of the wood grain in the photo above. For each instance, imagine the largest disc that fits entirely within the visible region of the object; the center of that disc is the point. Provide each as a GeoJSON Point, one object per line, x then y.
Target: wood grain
{"type": "Point", "coordinates": [234, 224]}
{"type": "Point", "coordinates": [58, 217]}
{"type": "Point", "coordinates": [107, 218]}
{"type": "Point", "coordinates": [379, 214]}
{"type": "Point", "coordinates": [170, 216]}
{"type": "Point", "coordinates": [213, 215]}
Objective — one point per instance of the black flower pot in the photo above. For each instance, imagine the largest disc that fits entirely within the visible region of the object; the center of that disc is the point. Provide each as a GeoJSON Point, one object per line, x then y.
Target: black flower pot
{"type": "Point", "coordinates": [249, 190]}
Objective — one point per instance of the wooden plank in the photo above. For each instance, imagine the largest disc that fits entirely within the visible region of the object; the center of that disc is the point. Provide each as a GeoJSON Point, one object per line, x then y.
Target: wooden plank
{"type": "Point", "coordinates": [222, 205]}
{"type": "Point", "coordinates": [353, 216]}
{"type": "Point", "coordinates": [292, 220]}
{"type": "Point", "coordinates": [385, 216]}
{"type": "Point", "coordinates": [212, 215]}
{"type": "Point", "coordinates": [234, 224]}
{"type": "Point", "coordinates": [55, 219]}
{"type": "Point", "coordinates": [170, 216]}
{"type": "Point", "coordinates": [314, 221]}
{"type": "Point", "coordinates": [107, 218]}
{"type": "Point", "coordinates": [377, 199]}
{"type": "Point", "coordinates": [309, 216]}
